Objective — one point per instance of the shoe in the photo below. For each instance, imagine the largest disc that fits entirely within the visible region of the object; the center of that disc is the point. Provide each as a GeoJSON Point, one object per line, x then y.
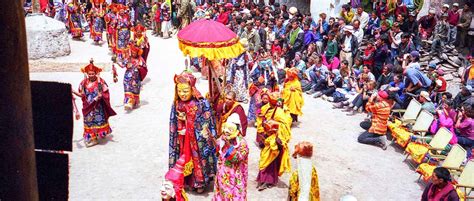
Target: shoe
{"type": "Point", "coordinates": [383, 142]}
{"type": "Point", "coordinates": [91, 143]}
{"type": "Point", "coordinates": [337, 105]}
{"type": "Point", "coordinates": [348, 109]}
{"type": "Point", "coordinates": [346, 103]}
{"type": "Point", "coordinates": [310, 92]}
{"type": "Point", "coordinates": [330, 99]}
{"type": "Point", "coordinates": [360, 110]}
{"type": "Point", "coordinates": [354, 112]}
{"type": "Point", "coordinates": [262, 187]}
{"type": "Point", "coordinates": [317, 95]}
{"type": "Point", "coordinates": [324, 97]}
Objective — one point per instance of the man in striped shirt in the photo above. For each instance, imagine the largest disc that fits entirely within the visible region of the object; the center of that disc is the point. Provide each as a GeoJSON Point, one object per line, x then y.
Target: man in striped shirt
{"type": "Point", "coordinates": [379, 105]}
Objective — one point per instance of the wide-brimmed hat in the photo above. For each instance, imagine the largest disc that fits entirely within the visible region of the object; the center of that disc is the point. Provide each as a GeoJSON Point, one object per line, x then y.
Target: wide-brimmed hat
{"type": "Point", "coordinates": [445, 5]}
{"type": "Point", "coordinates": [293, 10]}
{"type": "Point", "coordinates": [349, 28]}
{"type": "Point", "coordinates": [455, 5]}
{"type": "Point", "coordinates": [425, 95]}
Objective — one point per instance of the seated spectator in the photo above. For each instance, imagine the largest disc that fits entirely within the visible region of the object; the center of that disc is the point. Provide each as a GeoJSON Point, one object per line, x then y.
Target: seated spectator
{"type": "Point", "coordinates": [440, 187]}
{"type": "Point", "coordinates": [276, 47]}
{"type": "Point", "coordinates": [397, 86]}
{"type": "Point", "coordinates": [368, 56]}
{"type": "Point", "coordinates": [386, 76]}
{"type": "Point", "coordinates": [445, 117]}
{"type": "Point", "coordinates": [427, 24]}
{"type": "Point", "coordinates": [334, 81]}
{"type": "Point", "coordinates": [426, 103]}
{"type": "Point", "coordinates": [359, 101]}
{"type": "Point", "coordinates": [379, 106]}
{"type": "Point", "coordinates": [318, 76]}
{"type": "Point", "coordinates": [440, 86]}
{"type": "Point", "coordinates": [366, 70]}
{"type": "Point", "coordinates": [462, 97]}
{"type": "Point", "coordinates": [331, 47]}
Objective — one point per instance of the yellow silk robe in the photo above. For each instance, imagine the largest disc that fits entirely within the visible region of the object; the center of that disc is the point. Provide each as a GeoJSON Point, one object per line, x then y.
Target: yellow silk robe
{"type": "Point", "coordinates": [293, 99]}
{"type": "Point", "coordinates": [294, 190]}
{"type": "Point", "coordinates": [270, 152]}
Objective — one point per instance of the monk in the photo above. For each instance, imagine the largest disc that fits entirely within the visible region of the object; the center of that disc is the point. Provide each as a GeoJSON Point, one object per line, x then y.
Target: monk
{"type": "Point", "coordinates": [293, 94]}
{"type": "Point", "coordinates": [274, 157]}
{"type": "Point", "coordinates": [228, 107]}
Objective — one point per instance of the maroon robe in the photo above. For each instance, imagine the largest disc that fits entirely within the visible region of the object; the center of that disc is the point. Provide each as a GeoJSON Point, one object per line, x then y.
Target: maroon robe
{"type": "Point", "coordinates": [239, 110]}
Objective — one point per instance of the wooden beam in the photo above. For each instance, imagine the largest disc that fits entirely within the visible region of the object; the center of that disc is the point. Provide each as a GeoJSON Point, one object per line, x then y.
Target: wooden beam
{"type": "Point", "coordinates": [17, 165]}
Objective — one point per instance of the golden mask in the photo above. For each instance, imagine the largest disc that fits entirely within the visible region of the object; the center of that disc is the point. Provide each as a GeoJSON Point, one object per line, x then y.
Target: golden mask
{"type": "Point", "coordinates": [184, 91]}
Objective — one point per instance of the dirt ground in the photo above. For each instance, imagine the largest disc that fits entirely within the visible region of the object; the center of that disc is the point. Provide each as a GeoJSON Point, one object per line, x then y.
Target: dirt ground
{"type": "Point", "coordinates": [131, 165]}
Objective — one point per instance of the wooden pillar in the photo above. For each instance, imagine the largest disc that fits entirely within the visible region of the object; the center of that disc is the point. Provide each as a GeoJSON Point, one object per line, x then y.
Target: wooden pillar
{"type": "Point", "coordinates": [17, 156]}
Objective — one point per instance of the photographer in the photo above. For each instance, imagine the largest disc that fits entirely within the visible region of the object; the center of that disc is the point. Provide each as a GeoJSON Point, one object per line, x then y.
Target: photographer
{"type": "Point", "coordinates": [465, 128]}
{"type": "Point", "coordinates": [379, 105]}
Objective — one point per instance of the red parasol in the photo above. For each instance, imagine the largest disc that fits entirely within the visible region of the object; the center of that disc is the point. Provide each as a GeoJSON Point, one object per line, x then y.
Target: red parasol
{"type": "Point", "coordinates": [209, 39]}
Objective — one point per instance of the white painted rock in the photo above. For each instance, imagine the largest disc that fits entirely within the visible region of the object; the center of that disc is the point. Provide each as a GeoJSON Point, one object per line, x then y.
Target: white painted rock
{"type": "Point", "coordinates": [46, 37]}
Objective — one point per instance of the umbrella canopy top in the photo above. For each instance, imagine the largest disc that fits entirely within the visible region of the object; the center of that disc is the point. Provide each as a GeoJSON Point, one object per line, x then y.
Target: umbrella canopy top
{"type": "Point", "coordinates": [209, 39]}
{"type": "Point", "coordinates": [206, 31]}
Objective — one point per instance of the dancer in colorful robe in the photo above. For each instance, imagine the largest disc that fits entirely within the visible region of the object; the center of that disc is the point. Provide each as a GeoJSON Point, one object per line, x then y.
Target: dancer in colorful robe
{"type": "Point", "coordinates": [292, 94]}
{"type": "Point", "coordinates": [172, 189]}
{"type": "Point", "coordinates": [97, 22]}
{"type": "Point", "coordinates": [232, 163]}
{"type": "Point", "coordinates": [132, 80]}
{"type": "Point", "coordinates": [192, 131]}
{"type": "Point", "coordinates": [263, 76]}
{"type": "Point", "coordinates": [111, 23]}
{"type": "Point", "coordinates": [304, 183]}
{"type": "Point", "coordinates": [96, 108]}
{"type": "Point", "coordinates": [274, 157]}
{"type": "Point", "coordinates": [123, 34]}
{"type": "Point", "coordinates": [141, 40]}
{"type": "Point", "coordinates": [74, 20]}
{"type": "Point", "coordinates": [238, 74]}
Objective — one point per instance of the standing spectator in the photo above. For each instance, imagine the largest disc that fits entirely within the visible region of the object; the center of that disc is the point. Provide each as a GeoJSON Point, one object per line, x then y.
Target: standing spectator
{"type": "Point", "coordinates": [260, 27]}
{"type": "Point", "coordinates": [321, 29]}
{"type": "Point", "coordinates": [358, 31]}
{"type": "Point", "coordinates": [380, 56]}
{"type": "Point", "coordinates": [348, 44]}
{"type": "Point", "coordinates": [362, 16]}
{"type": "Point", "coordinates": [464, 24]}
{"type": "Point", "coordinates": [395, 37]}
{"type": "Point", "coordinates": [252, 37]}
{"type": "Point", "coordinates": [295, 39]}
{"type": "Point", "coordinates": [453, 20]}
{"type": "Point", "coordinates": [440, 34]}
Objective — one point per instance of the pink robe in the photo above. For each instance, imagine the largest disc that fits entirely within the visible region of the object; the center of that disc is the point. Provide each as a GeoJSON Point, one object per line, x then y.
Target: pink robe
{"type": "Point", "coordinates": [232, 171]}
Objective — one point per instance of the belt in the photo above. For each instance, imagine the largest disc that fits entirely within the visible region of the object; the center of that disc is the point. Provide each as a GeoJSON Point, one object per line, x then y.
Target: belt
{"type": "Point", "coordinates": [346, 51]}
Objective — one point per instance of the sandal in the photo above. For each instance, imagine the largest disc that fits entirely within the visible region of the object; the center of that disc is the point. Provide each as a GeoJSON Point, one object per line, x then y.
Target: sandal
{"type": "Point", "coordinates": [262, 187]}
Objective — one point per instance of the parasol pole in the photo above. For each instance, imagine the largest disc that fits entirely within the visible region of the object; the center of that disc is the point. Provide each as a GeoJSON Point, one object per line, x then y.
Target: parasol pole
{"type": "Point", "coordinates": [208, 63]}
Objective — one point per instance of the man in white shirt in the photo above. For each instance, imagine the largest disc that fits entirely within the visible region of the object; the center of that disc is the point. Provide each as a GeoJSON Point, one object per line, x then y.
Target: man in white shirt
{"type": "Point", "coordinates": [362, 16]}
{"type": "Point", "coordinates": [348, 44]}
{"type": "Point", "coordinates": [396, 37]}
{"type": "Point", "coordinates": [358, 31]}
